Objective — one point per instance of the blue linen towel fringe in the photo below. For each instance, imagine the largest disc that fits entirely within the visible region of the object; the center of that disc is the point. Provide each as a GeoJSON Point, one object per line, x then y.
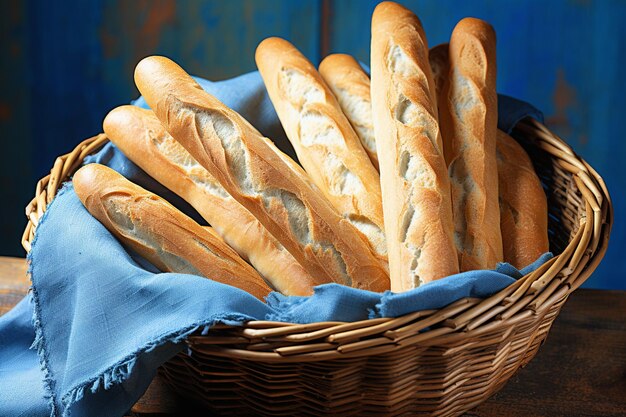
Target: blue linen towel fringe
{"type": "Point", "coordinates": [74, 309]}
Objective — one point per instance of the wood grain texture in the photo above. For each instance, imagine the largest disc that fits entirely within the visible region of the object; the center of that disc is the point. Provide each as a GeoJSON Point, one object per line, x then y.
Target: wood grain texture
{"type": "Point", "coordinates": [13, 282]}
{"type": "Point", "coordinates": [159, 399]}
{"type": "Point", "coordinates": [579, 371]}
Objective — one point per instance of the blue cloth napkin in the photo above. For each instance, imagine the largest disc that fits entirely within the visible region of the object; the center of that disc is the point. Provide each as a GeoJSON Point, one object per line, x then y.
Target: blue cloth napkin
{"type": "Point", "coordinates": [104, 320]}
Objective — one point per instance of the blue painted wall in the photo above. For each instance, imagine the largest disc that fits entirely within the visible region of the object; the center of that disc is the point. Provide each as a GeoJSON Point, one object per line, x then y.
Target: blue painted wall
{"type": "Point", "coordinates": [564, 56]}
{"type": "Point", "coordinates": [63, 68]}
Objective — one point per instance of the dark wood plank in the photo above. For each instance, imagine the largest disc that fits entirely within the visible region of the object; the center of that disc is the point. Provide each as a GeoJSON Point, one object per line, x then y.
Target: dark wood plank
{"type": "Point", "coordinates": [159, 399]}
{"type": "Point", "coordinates": [579, 371]}
{"type": "Point", "coordinates": [581, 368]}
{"type": "Point", "coordinates": [13, 282]}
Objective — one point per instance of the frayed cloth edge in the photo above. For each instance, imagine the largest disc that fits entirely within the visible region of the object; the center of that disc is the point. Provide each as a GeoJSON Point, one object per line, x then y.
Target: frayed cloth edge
{"type": "Point", "coordinates": [115, 374]}
{"type": "Point", "coordinates": [118, 373]}
{"type": "Point", "coordinates": [39, 343]}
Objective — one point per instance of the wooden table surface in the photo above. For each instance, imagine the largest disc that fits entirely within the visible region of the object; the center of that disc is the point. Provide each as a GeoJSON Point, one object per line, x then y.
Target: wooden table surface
{"type": "Point", "coordinates": [579, 371]}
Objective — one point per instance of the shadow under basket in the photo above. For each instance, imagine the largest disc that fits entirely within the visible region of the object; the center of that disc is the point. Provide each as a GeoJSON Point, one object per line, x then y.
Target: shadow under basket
{"type": "Point", "coordinates": [435, 362]}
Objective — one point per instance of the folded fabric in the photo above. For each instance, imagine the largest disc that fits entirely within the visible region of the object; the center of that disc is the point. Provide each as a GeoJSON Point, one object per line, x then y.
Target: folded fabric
{"type": "Point", "coordinates": [21, 380]}
{"type": "Point", "coordinates": [104, 320]}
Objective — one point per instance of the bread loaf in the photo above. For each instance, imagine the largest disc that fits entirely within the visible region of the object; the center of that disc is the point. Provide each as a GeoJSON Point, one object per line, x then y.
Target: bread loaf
{"type": "Point", "coordinates": [523, 204]}
{"type": "Point", "coordinates": [159, 232]}
{"type": "Point", "coordinates": [439, 59]}
{"type": "Point", "coordinates": [351, 85]}
{"type": "Point", "coordinates": [415, 185]}
{"type": "Point", "coordinates": [260, 177]}
{"type": "Point", "coordinates": [522, 201]}
{"type": "Point", "coordinates": [472, 107]}
{"type": "Point", "coordinates": [141, 137]}
{"type": "Point", "coordinates": [326, 145]}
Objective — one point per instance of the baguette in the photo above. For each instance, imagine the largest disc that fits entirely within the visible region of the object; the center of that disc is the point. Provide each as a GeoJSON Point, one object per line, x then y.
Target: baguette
{"type": "Point", "coordinates": [523, 204]}
{"type": "Point", "coordinates": [522, 201]}
{"type": "Point", "coordinates": [439, 59]}
{"type": "Point", "coordinates": [260, 177]}
{"type": "Point", "coordinates": [414, 179]}
{"type": "Point", "coordinates": [473, 112]}
{"type": "Point", "coordinates": [141, 137]}
{"type": "Point", "coordinates": [159, 232]}
{"type": "Point", "coordinates": [326, 145]}
{"type": "Point", "coordinates": [351, 85]}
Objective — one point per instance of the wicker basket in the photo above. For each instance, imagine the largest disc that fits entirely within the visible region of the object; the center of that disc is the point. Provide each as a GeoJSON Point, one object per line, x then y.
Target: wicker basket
{"type": "Point", "coordinates": [392, 367]}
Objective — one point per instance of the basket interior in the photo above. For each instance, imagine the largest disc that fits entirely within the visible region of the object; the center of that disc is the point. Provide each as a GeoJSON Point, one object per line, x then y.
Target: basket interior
{"type": "Point", "coordinates": [470, 349]}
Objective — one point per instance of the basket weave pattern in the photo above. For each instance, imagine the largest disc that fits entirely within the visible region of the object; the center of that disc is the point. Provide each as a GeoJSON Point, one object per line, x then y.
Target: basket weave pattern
{"type": "Point", "coordinates": [436, 362]}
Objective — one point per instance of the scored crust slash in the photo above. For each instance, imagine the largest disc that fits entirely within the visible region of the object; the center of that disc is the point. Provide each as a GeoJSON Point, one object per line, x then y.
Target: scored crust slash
{"type": "Point", "coordinates": [399, 179]}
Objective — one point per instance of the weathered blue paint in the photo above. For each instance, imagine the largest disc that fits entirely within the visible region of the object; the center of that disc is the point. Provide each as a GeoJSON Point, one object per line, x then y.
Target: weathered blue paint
{"type": "Point", "coordinates": [64, 68]}
{"type": "Point", "coordinates": [563, 56]}
{"type": "Point", "coordinates": [16, 174]}
{"type": "Point", "coordinates": [74, 62]}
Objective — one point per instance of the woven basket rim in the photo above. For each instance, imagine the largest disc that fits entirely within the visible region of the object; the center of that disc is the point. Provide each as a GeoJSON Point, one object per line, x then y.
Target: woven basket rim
{"type": "Point", "coordinates": [532, 294]}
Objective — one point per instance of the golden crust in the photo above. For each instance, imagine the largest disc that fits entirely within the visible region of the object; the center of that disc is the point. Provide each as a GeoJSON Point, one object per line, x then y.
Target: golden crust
{"type": "Point", "coordinates": [141, 137]}
{"type": "Point", "coordinates": [260, 177]}
{"type": "Point", "coordinates": [414, 179]}
{"type": "Point", "coordinates": [351, 85]}
{"type": "Point", "coordinates": [159, 232]}
{"type": "Point", "coordinates": [327, 146]}
{"type": "Point", "coordinates": [439, 59]}
{"type": "Point", "coordinates": [523, 204]}
{"type": "Point", "coordinates": [522, 201]}
{"type": "Point", "coordinates": [472, 110]}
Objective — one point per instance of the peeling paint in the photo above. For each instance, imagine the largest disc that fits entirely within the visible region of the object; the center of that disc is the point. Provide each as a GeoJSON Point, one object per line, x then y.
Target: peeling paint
{"type": "Point", "coordinates": [139, 23]}
{"type": "Point", "coordinates": [15, 50]}
{"type": "Point", "coordinates": [563, 99]}
{"type": "Point", "coordinates": [5, 112]}
{"type": "Point", "coordinates": [108, 42]}
{"type": "Point", "coordinates": [160, 14]}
